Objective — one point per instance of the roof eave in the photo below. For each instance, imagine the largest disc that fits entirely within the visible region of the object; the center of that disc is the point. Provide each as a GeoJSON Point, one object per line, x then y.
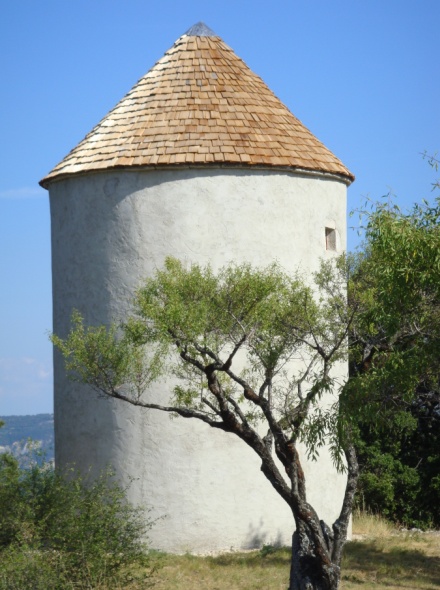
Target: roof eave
{"type": "Point", "coordinates": [346, 178]}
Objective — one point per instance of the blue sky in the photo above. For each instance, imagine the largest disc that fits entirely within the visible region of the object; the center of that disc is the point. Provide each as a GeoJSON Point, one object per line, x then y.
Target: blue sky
{"type": "Point", "coordinates": [363, 75]}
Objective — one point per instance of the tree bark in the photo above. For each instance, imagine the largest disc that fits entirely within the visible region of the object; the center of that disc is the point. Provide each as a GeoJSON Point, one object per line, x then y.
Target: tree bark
{"type": "Point", "coordinates": [308, 570]}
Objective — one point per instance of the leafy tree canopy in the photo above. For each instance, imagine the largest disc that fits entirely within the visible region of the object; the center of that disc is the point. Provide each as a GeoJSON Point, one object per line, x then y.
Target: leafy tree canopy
{"type": "Point", "coordinates": [394, 388]}
{"type": "Point", "coordinates": [280, 339]}
{"type": "Point", "coordinates": [395, 337]}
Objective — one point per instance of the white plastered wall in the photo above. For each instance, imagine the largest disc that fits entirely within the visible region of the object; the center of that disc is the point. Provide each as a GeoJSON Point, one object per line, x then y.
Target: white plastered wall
{"type": "Point", "coordinates": [111, 229]}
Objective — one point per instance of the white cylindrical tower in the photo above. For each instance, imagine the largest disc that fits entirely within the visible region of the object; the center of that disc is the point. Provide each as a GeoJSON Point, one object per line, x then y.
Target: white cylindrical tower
{"type": "Point", "coordinates": [202, 162]}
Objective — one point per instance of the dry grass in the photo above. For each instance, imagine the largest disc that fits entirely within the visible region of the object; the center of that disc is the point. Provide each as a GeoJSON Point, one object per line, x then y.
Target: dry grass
{"type": "Point", "coordinates": [372, 526]}
{"type": "Point", "coordinates": [232, 571]}
{"type": "Point", "coordinates": [393, 563]}
{"type": "Point", "coordinates": [383, 560]}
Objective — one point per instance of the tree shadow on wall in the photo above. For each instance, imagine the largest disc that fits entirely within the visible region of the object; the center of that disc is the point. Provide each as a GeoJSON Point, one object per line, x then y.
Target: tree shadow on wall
{"type": "Point", "coordinates": [258, 537]}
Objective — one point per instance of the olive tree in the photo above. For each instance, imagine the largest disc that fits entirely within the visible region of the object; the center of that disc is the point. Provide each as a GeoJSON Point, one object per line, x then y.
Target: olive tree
{"type": "Point", "coordinates": [253, 353]}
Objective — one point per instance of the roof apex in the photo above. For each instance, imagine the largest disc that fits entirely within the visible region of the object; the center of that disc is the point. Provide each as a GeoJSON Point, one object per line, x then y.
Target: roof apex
{"type": "Point", "coordinates": [200, 30]}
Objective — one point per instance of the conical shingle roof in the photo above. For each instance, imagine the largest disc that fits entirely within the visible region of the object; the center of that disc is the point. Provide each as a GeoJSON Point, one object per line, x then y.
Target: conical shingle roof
{"type": "Point", "coordinates": [200, 105]}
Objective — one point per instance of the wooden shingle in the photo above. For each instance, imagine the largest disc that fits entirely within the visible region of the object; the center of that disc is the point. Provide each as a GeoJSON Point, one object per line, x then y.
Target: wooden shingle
{"type": "Point", "coordinates": [200, 104]}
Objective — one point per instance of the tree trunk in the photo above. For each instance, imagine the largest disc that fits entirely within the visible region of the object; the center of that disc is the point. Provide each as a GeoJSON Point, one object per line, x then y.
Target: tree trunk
{"type": "Point", "coordinates": [308, 570]}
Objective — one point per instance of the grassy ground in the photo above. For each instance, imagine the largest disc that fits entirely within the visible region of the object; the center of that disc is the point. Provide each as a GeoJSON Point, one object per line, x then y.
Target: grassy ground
{"type": "Point", "coordinates": [380, 559]}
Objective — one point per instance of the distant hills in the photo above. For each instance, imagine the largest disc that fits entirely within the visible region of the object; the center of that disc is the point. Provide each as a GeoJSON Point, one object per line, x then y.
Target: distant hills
{"type": "Point", "coordinates": [15, 434]}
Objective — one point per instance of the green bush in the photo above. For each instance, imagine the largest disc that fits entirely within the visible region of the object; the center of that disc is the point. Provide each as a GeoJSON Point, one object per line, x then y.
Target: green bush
{"type": "Point", "coordinates": [57, 533]}
{"type": "Point", "coordinates": [400, 465]}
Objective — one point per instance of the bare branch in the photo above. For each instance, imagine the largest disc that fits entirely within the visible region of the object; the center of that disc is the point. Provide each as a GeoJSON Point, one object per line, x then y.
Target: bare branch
{"type": "Point", "coordinates": [206, 351]}
{"type": "Point", "coordinates": [228, 363]}
{"type": "Point", "coordinates": [238, 410]}
{"type": "Point", "coordinates": [189, 359]}
{"type": "Point", "coordinates": [184, 412]}
{"type": "Point", "coordinates": [210, 405]}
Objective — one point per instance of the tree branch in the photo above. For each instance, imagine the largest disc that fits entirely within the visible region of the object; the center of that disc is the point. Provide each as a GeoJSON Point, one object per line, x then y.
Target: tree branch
{"type": "Point", "coordinates": [184, 412]}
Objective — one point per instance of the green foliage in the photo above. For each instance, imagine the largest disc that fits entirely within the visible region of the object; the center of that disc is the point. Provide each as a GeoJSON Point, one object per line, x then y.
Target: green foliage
{"type": "Point", "coordinates": [58, 533]}
{"type": "Point", "coordinates": [100, 357]}
{"type": "Point", "coordinates": [400, 465]}
{"type": "Point", "coordinates": [282, 335]}
{"type": "Point", "coordinates": [213, 311]}
{"type": "Point", "coordinates": [394, 286]}
{"type": "Point", "coordinates": [386, 485]}
{"type": "Point", "coordinates": [239, 307]}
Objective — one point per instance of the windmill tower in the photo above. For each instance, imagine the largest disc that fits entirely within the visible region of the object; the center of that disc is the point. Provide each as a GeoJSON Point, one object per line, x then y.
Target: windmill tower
{"type": "Point", "coordinates": [202, 162]}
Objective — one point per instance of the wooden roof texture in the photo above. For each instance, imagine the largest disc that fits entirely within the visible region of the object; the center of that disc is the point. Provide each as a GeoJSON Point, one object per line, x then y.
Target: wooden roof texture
{"type": "Point", "coordinates": [199, 105]}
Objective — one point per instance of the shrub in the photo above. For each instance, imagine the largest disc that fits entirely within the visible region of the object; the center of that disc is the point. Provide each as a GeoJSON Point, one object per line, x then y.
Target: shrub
{"type": "Point", "coordinates": [400, 465]}
{"type": "Point", "coordinates": [58, 533]}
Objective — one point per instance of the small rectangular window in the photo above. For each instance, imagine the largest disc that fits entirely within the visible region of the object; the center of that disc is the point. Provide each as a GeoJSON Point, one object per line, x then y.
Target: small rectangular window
{"type": "Point", "coordinates": [330, 239]}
